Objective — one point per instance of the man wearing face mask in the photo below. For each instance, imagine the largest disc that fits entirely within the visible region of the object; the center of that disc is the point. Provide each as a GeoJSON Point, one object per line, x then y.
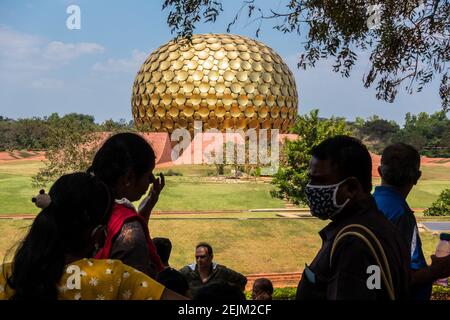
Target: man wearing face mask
{"type": "Point", "coordinates": [362, 256]}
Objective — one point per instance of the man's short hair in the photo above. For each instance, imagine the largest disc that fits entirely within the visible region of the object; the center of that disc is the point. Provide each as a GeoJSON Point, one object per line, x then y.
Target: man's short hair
{"type": "Point", "coordinates": [351, 157]}
{"type": "Point", "coordinates": [400, 164]}
{"type": "Point", "coordinates": [163, 248]}
{"type": "Point", "coordinates": [205, 245]}
{"type": "Point", "coordinates": [264, 285]}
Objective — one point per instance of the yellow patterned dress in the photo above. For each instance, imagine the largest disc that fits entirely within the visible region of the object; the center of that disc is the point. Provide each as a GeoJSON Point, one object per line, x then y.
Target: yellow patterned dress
{"type": "Point", "coordinates": [94, 279]}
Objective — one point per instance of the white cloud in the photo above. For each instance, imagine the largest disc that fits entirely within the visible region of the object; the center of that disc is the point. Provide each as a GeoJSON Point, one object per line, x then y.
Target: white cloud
{"type": "Point", "coordinates": [65, 52]}
{"type": "Point", "coordinates": [126, 65]}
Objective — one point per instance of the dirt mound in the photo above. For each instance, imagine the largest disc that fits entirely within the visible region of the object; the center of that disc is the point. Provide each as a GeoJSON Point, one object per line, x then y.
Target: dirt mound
{"type": "Point", "coordinates": [21, 155]}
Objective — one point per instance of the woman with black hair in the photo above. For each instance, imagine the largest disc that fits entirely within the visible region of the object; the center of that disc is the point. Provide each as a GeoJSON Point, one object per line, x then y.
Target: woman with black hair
{"type": "Point", "coordinates": [125, 163]}
{"type": "Point", "coordinates": [54, 261]}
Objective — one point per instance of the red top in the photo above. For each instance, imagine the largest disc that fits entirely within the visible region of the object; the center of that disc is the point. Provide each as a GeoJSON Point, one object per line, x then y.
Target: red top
{"type": "Point", "coordinates": [119, 216]}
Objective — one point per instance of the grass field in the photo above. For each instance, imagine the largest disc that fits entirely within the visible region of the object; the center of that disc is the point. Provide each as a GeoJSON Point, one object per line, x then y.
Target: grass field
{"type": "Point", "coordinates": [194, 190]}
{"type": "Point", "coordinates": [250, 246]}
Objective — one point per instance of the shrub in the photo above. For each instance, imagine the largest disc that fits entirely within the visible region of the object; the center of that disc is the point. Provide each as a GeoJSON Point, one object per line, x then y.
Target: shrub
{"type": "Point", "coordinates": [171, 173]}
{"type": "Point", "coordinates": [441, 207]}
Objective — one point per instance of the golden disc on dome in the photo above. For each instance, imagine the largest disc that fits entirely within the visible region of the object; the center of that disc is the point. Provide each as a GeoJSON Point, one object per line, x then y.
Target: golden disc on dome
{"type": "Point", "coordinates": [166, 99]}
{"type": "Point", "coordinates": [149, 111]}
{"type": "Point", "coordinates": [173, 112]}
{"type": "Point", "coordinates": [213, 75]}
{"type": "Point", "coordinates": [255, 56]}
{"type": "Point", "coordinates": [228, 75]}
{"type": "Point", "coordinates": [141, 112]}
{"type": "Point", "coordinates": [241, 47]}
{"type": "Point", "coordinates": [235, 87]}
{"type": "Point", "coordinates": [256, 66]}
{"type": "Point", "coordinates": [277, 123]}
{"type": "Point", "coordinates": [249, 112]}
{"type": "Point", "coordinates": [145, 99]}
{"type": "Point", "coordinates": [180, 99]}
{"type": "Point", "coordinates": [147, 76]}
{"type": "Point", "coordinates": [154, 99]}
{"type": "Point", "coordinates": [253, 47]}
{"type": "Point", "coordinates": [197, 75]}
{"type": "Point", "coordinates": [220, 87]}
{"type": "Point", "coordinates": [277, 78]}
{"type": "Point", "coordinates": [234, 64]}
{"type": "Point", "coordinates": [270, 101]}
{"type": "Point", "coordinates": [267, 58]}
{"type": "Point", "coordinates": [284, 90]}
{"type": "Point", "coordinates": [280, 101]}
{"type": "Point", "coordinates": [254, 77]}
{"type": "Point", "coordinates": [243, 100]}
{"type": "Point", "coordinates": [154, 65]}
{"type": "Point", "coordinates": [177, 65]}
{"type": "Point", "coordinates": [286, 124]}
{"type": "Point", "coordinates": [150, 87]}
{"type": "Point", "coordinates": [267, 66]}
{"type": "Point", "coordinates": [174, 55]}
{"type": "Point", "coordinates": [241, 124]}
{"type": "Point", "coordinates": [203, 112]}
{"type": "Point", "coordinates": [275, 90]}
{"type": "Point", "coordinates": [278, 68]}
{"type": "Point", "coordinates": [195, 99]}
{"type": "Point", "coordinates": [246, 65]}
{"type": "Point", "coordinates": [156, 76]}
{"type": "Point", "coordinates": [211, 99]}
{"type": "Point", "coordinates": [164, 65]}
{"type": "Point", "coordinates": [182, 123]}
{"type": "Point", "coordinates": [244, 55]}
{"type": "Point", "coordinates": [188, 87]}
{"type": "Point", "coordinates": [223, 65]}
{"type": "Point", "coordinates": [199, 46]}
{"type": "Point", "coordinates": [262, 88]}
{"type": "Point", "coordinates": [168, 75]}
{"type": "Point", "coordinates": [232, 55]}
{"type": "Point", "coordinates": [196, 39]}
{"type": "Point", "coordinates": [192, 65]}
{"type": "Point", "coordinates": [213, 123]}
{"type": "Point", "coordinates": [168, 123]}
{"type": "Point", "coordinates": [219, 55]}
{"type": "Point", "coordinates": [147, 66]}
{"type": "Point", "coordinates": [188, 55]}
{"type": "Point", "coordinates": [208, 64]}
{"type": "Point", "coordinates": [203, 55]}
{"type": "Point", "coordinates": [258, 100]}
{"type": "Point", "coordinates": [156, 124]}
{"type": "Point", "coordinates": [173, 47]}
{"type": "Point", "coordinates": [253, 124]}
{"type": "Point", "coordinates": [235, 111]}
{"type": "Point", "coordinates": [204, 87]}
{"type": "Point", "coordinates": [267, 124]}
{"type": "Point", "coordinates": [215, 46]}
{"type": "Point", "coordinates": [228, 123]}
{"type": "Point", "coordinates": [137, 100]}
{"type": "Point", "coordinates": [161, 87]}
{"type": "Point", "coordinates": [274, 112]}
{"type": "Point", "coordinates": [242, 76]}
{"type": "Point", "coordinates": [266, 77]}
{"type": "Point", "coordinates": [284, 112]}
{"type": "Point", "coordinates": [188, 111]}
{"type": "Point", "coordinates": [249, 88]}
{"type": "Point", "coordinates": [263, 112]}
{"type": "Point", "coordinates": [182, 75]}
{"type": "Point", "coordinates": [229, 47]}
{"type": "Point", "coordinates": [220, 112]}
{"type": "Point", "coordinates": [174, 87]}
{"type": "Point", "coordinates": [160, 111]}
{"type": "Point", "coordinates": [227, 99]}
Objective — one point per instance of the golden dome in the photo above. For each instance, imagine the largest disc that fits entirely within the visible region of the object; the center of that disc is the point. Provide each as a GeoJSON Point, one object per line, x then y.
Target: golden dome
{"type": "Point", "coordinates": [226, 81]}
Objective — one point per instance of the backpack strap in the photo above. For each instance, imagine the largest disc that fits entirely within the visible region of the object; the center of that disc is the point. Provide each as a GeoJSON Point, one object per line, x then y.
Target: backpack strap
{"type": "Point", "coordinates": [385, 269]}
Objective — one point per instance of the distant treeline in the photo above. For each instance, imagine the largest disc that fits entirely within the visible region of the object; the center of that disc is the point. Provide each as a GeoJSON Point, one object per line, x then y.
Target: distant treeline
{"type": "Point", "coordinates": [429, 133]}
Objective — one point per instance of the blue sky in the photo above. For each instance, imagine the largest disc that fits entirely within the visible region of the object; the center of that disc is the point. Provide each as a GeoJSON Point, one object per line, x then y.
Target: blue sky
{"type": "Point", "coordinates": [45, 67]}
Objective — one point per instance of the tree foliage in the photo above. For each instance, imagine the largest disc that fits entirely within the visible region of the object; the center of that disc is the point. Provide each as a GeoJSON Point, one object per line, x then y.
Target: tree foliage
{"type": "Point", "coordinates": [292, 176]}
{"type": "Point", "coordinates": [408, 41]}
{"type": "Point", "coordinates": [441, 207]}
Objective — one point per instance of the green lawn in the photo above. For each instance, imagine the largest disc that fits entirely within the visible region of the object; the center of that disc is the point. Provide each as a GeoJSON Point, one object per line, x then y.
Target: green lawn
{"type": "Point", "coordinates": [194, 190]}
{"type": "Point", "coordinates": [250, 246]}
